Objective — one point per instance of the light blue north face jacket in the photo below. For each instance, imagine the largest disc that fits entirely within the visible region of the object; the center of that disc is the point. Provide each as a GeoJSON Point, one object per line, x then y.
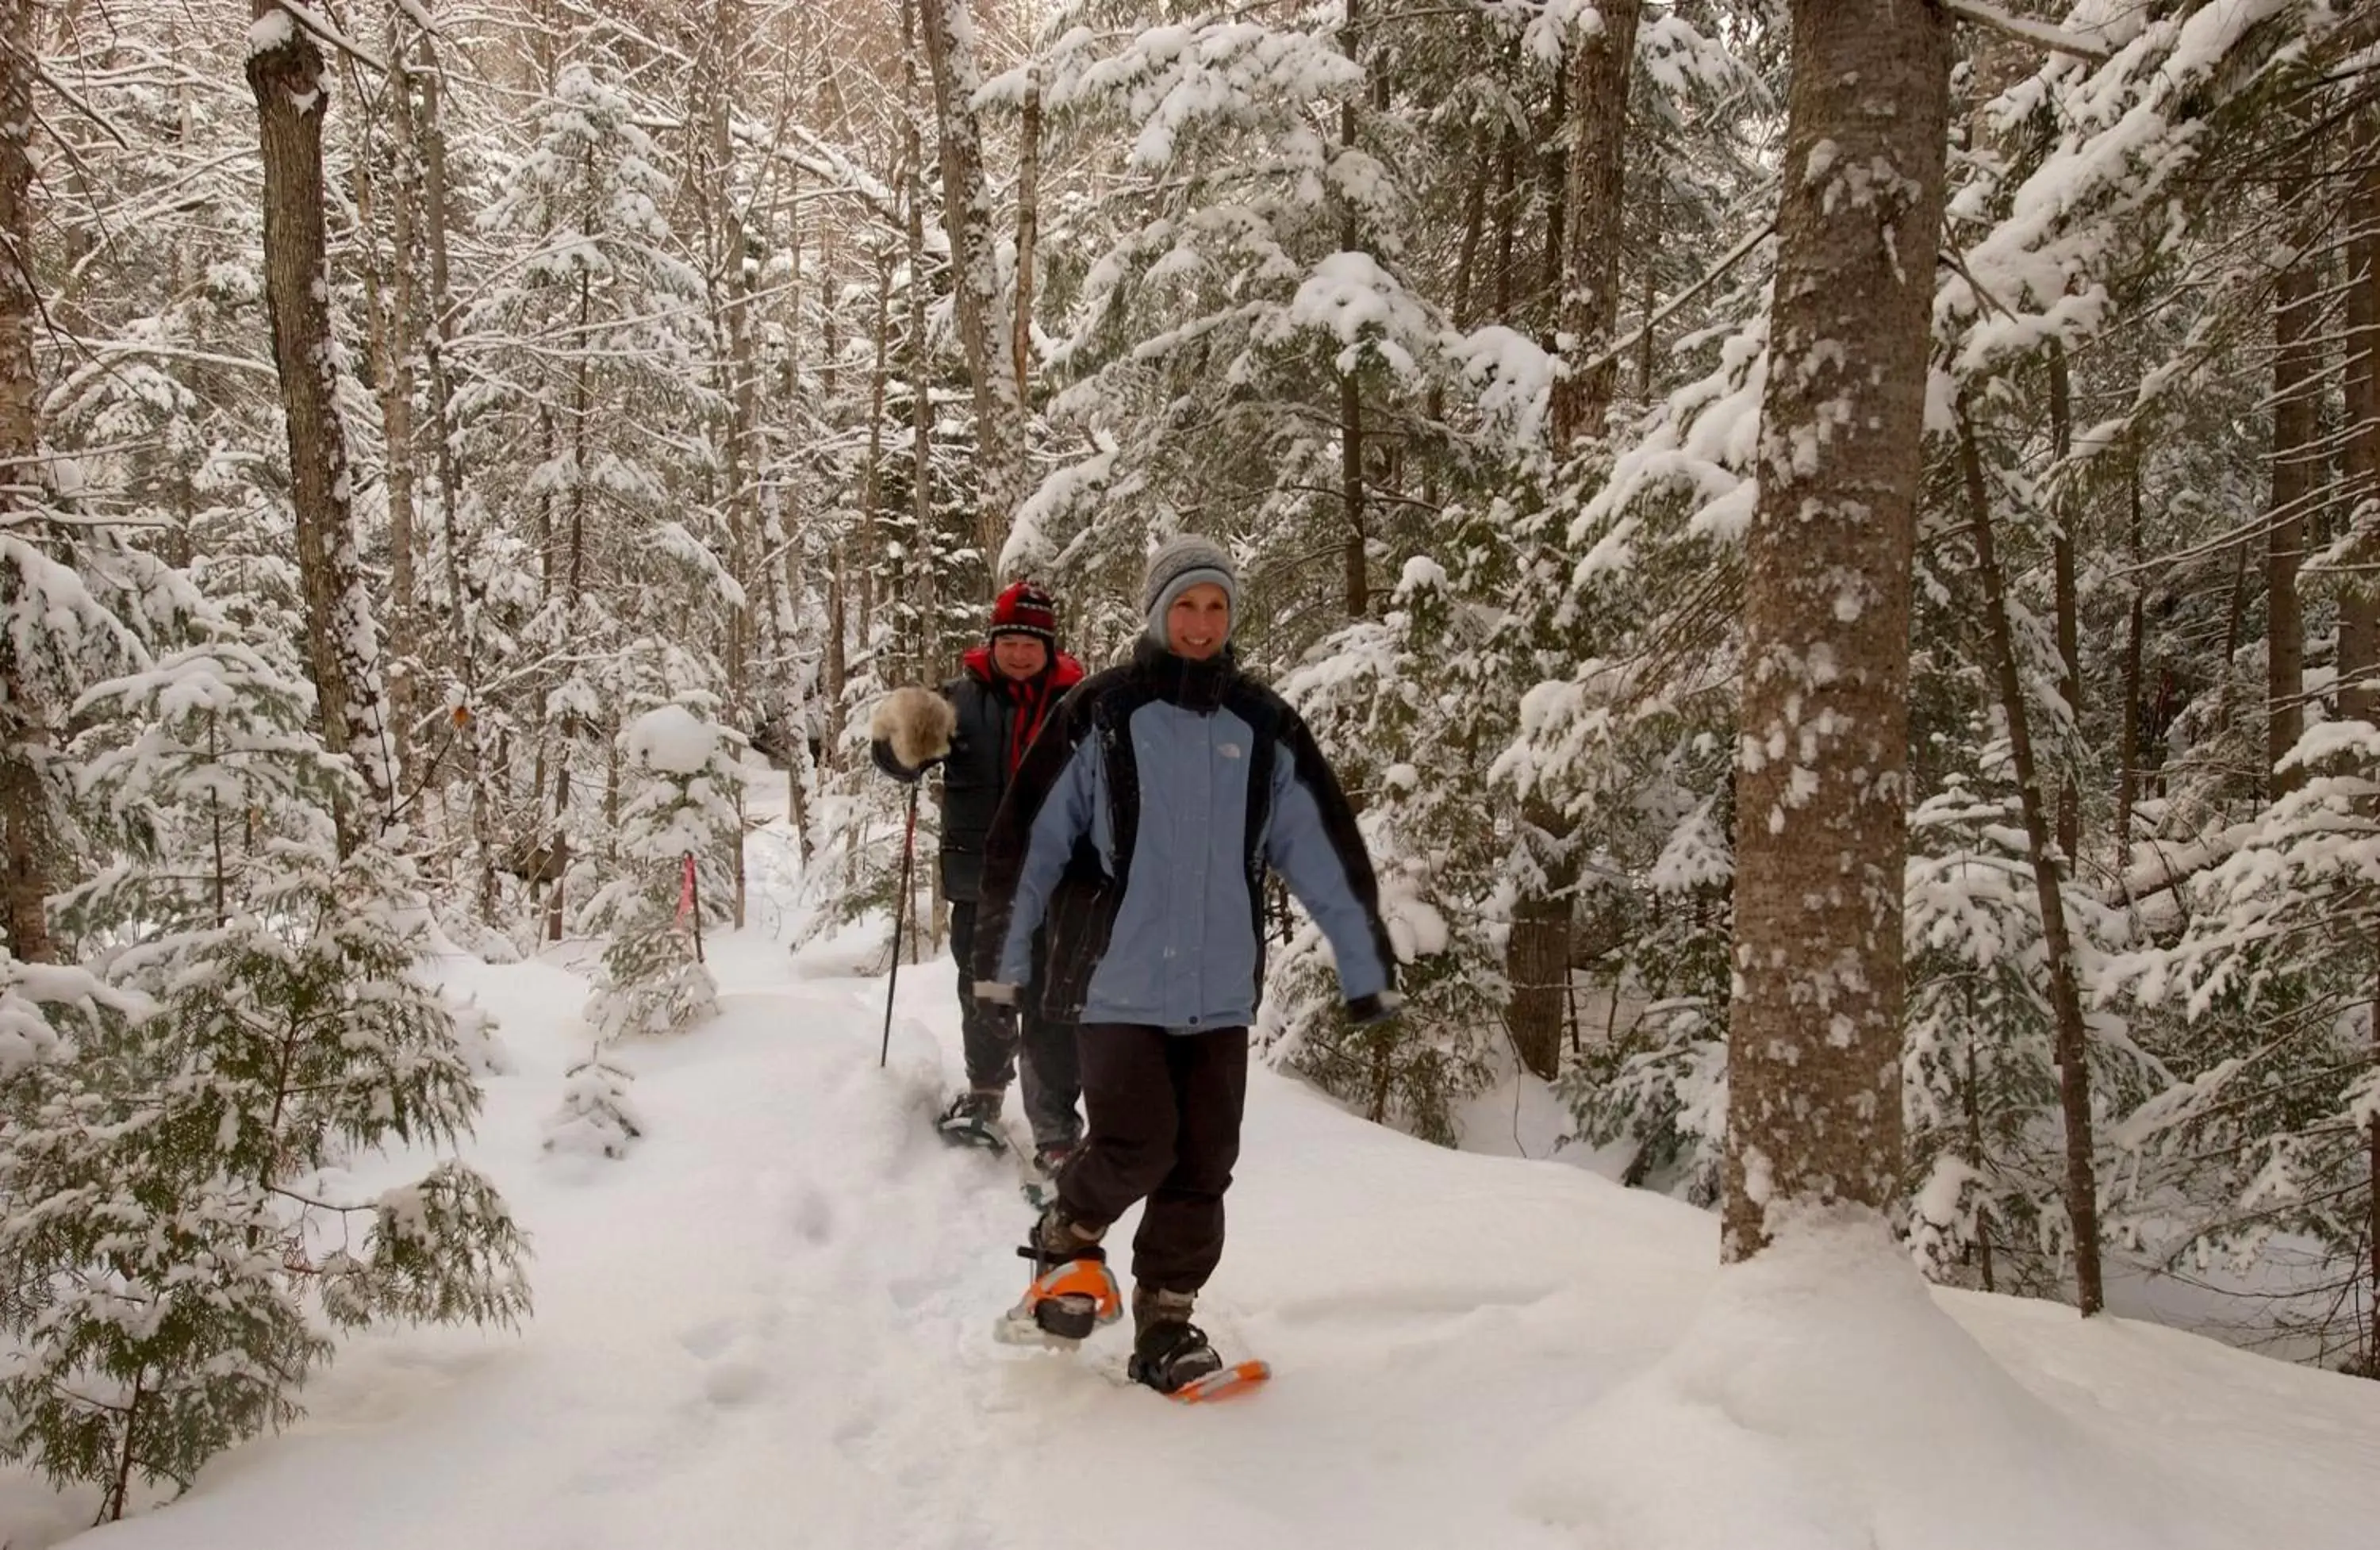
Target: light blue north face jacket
{"type": "Point", "coordinates": [1138, 834]}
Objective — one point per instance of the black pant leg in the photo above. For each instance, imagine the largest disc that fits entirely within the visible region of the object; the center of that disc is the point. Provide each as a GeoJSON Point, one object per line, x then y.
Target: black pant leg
{"type": "Point", "coordinates": [1180, 1236]}
{"type": "Point", "coordinates": [987, 1032]}
{"type": "Point", "coordinates": [1052, 1079]}
{"type": "Point", "coordinates": [1129, 1147]}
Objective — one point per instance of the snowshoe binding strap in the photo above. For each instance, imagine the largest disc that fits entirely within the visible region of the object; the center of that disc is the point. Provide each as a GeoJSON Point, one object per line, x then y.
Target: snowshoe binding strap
{"type": "Point", "coordinates": [1173, 1355]}
{"type": "Point", "coordinates": [1068, 1301]}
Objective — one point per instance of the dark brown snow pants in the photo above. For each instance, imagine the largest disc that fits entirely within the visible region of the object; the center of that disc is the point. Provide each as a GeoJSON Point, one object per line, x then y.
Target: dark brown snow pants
{"type": "Point", "coordinates": [1164, 1112]}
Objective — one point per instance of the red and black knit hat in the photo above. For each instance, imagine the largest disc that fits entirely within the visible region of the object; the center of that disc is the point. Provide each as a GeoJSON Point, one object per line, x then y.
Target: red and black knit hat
{"type": "Point", "coordinates": [1026, 609]}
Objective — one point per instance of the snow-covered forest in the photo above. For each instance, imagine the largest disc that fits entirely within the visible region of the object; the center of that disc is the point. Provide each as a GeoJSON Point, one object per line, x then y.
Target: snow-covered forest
{"type": "Point", "coordinates": [1835, 545]}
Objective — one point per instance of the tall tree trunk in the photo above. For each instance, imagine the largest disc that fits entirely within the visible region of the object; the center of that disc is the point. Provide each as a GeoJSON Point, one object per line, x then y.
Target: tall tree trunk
{"type": "Point", "coordinates": [1466, 258]}
{"type": "Point", "coordinates": [1508, 216]}
{"type": "Point", "coordinates": [949, 32]}
{"type": "Point", "coordinates": [836, 669]}
{"type": "Point", "coordinates": [1354, 546]}
{"type": "Point", "coordinates": [1553, 175]}
{"type": "Point", "coordinates": [786, 536]}
{"type": "Point", "coordinates": [918, 566]}
{"type": "Point", "coordinates": [1646, 333]}
{"type": "Point", "coordinates": [2296, 358]}
{"type": "Point", "coordinates": [2359, 603]}
{"type": "Point", "coordinates": [1538, 954]}
{"type": "Point", "coordinates": [1356, 542]}
{"type": "Point", "coordinates": [1600, 68]}
{"type": "Point", "coordinates": [25, 809]}
{"type": "Point", "coordinates": [871, 490]}
{"type": "Point", "coordinates": [2065, 996]}
{"type": "Point", "coordinates": [292, 90]}
{"type": "Point", "coordinates": [390, 298]}
{"type": "Point", "coordinates": [2128, 787]}
{"type": "Point", "coordinates": [1028, 228]}
{"type": "Point", "coordinates": [751, 683]}
{"type": "Point", "coordinates": [1814, 1031]}
{"type": "Point", "coordinates": [2070, 628]}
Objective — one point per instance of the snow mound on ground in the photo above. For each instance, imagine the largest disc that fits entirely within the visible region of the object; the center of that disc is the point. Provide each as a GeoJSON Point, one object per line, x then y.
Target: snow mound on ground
{"type": "Point", "coordinates": [1835, 1406]}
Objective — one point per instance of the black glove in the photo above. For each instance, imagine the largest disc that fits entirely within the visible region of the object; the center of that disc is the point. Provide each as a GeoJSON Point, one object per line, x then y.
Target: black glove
{"type": "Point", "coordinates": [882, 751]}
{"type": "Point", "coordinates": [1379, 1007]}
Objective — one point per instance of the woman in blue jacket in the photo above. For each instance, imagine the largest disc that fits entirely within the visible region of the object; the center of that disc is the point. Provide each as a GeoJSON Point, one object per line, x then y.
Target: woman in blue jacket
{"type": "Point", "coordinates": [1136, 836]}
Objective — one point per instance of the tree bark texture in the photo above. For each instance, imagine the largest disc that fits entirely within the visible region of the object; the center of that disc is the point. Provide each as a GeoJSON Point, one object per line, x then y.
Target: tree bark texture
{"type": "Point", "coordinates": [2296, 359]}
{"type": "Point", "coordinates": [25, 811]}
{"type": "Point", "coordinates": [2359, 602]}
{"type": "Point", "coordinates": [1356, 539]}
{"type": "Point", "coordinates": [1029, 229]}
{"type": "Point", "coordinates": [916, 569]}
{"type": "Point", "coordinates": [2070, 628]}
{"type": "Point", "coordinates": [292, 91]}
{"type": "Point", "coordinates": [1814, 1033]}
{"type": "Point", "coordinates": [1595, 178]}
{"type": "Point", "coordinates": [2128, 780]}
{"type": "Point", "coordinates": [949, 31]}
{"type": "Point", "coordinates": [1537, 955]}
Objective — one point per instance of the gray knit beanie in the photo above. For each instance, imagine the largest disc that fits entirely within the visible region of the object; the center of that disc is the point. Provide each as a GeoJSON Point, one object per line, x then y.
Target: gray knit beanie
{"type": "Point", "coordinates": [1179, 564]}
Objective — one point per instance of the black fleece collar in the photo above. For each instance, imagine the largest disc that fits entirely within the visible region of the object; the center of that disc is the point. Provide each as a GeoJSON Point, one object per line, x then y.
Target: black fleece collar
{"type": "Point", "coordinates": [1197, 686]}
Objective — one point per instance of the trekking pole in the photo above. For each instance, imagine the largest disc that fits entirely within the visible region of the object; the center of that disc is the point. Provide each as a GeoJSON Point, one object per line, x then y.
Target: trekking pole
{"type": "Point", "coordinates": [900, 913]}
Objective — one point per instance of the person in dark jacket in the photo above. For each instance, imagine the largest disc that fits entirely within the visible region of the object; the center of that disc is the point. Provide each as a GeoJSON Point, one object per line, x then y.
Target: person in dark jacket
{"type": "Point", "coordinates": [1137, 839]}
{"type": "Point", "coordinates": [1007, 691]}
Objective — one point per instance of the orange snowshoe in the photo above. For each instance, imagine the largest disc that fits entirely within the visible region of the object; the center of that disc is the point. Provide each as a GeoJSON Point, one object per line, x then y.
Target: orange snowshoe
{"type": "Point", "coordinates": [1228, 1383]}
{"type": "Point", "coordinates": [1065, 1303]}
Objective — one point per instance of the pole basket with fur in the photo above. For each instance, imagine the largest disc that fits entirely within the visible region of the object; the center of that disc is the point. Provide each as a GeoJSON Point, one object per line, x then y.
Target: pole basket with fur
{"type": "Point", "coordinates": [900, 914]}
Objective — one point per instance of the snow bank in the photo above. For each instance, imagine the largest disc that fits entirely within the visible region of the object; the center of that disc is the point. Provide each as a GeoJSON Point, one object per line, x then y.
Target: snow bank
{"type": "Point", "coordinates": [768, 1325]}
{"type": "Point", "coordinates": [1821, 1400]}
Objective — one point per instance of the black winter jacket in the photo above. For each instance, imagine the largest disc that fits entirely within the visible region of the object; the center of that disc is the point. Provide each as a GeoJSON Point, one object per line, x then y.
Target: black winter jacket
{"type": "Point", "coordinates": [993, 720]}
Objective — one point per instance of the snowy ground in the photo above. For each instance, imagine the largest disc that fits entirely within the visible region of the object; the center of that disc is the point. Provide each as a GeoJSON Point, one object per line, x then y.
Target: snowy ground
{"type": "Point", "coordinates": [768, 1327]}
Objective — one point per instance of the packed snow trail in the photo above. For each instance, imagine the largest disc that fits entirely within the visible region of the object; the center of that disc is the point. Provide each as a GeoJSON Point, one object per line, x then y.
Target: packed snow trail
{"type": "Point", "coordinates": [769, 1325]}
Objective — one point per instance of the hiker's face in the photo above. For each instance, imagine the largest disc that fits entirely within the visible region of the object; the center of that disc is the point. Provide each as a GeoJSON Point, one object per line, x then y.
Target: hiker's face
{"type": "Point", "coordinates": [1199, 621]}
{"type": "Point", "coordinates": [1019, 656]}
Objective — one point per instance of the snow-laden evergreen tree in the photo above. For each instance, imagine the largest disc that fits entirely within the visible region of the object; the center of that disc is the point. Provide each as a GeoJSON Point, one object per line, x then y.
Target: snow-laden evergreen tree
{"type": "Point", "coordinates": [2259, 1149]}
{"type": "Point", "coordinates": [1223, 316]}
{"type": "Point", "coordinates": [1373, 690]}
{"type": "Point", "coordinates": [680, 827]}
{"type": "Point", "coordinates": [182, 1173]}
{"type": "Point", "coordinates": [586, 414]}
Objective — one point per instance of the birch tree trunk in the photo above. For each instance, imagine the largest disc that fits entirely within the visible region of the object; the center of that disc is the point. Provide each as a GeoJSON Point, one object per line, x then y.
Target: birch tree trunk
{"type": "Point", "coordinates": [948, 28]}
{"type": "Point", "coordinates": [292, 90]}
{"type": "Point", "coordinates": [1814, 1031]}
{"type": "Point", "coordinates": [25, 812]}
